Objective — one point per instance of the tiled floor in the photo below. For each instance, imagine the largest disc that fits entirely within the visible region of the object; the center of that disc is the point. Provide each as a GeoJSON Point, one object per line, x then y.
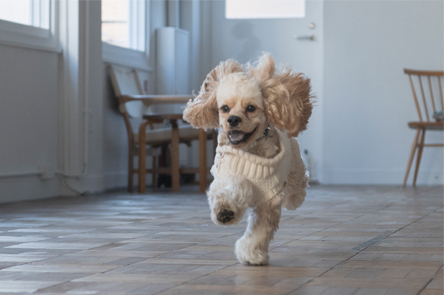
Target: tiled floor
{"type": "Point", "coordinates": [343, 240]}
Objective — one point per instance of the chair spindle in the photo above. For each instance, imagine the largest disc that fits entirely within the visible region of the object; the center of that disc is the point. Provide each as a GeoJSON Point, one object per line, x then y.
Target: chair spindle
{"type": "Point", "coordinates": [440, 92]}
{"type": "Point", "coordinates": [431, 93]}
{"type": "Point", "coordinates": [416, 98]}
{"type": "Point", "coordinates": [423, 98]}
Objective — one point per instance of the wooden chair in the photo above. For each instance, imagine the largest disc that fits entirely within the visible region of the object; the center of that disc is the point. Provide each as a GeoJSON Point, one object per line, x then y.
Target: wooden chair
{"type": "Point", "coordinates": [429, 89]}
{"type": "Point", "coordinates": [133, 105]}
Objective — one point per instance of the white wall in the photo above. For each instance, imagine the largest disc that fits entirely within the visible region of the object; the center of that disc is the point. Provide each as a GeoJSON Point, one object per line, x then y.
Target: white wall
{"type": "Point", "coordinates": [365, 101]}
{"type": "Point", "coordinates": [28, 122]}
{"type": "Point", "coordinates": [246, 39]}
{"type": "Point", "coordinates": [51, 111]}
{"type": "Point", "coordinates": [368, 100]}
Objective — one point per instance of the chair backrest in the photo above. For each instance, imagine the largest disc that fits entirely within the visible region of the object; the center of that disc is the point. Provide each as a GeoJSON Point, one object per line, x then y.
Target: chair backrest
{"type": "Point", "coordinates": [427, 91]}
{"type": "Point", "coordinates": [126, 82]}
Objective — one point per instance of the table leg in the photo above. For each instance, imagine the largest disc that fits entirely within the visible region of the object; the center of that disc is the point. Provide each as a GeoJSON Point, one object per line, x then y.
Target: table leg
{"type": "Point", "coordinates": [202, 160]}
{"type": "Point", "coordinates": [142, 156]}
{"type": "Point", "coordinates": [175, 175]}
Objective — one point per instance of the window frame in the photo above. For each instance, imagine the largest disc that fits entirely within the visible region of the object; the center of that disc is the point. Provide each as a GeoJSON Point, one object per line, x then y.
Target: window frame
{"type": "Point", "coordinates": [139, 30]}
{"type": "Point", "coordinates": [28, 36]}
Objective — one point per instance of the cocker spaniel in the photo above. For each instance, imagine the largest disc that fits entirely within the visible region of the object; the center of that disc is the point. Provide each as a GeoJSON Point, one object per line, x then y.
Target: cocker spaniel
{"type": "Point", "coordinates": [258, 109]}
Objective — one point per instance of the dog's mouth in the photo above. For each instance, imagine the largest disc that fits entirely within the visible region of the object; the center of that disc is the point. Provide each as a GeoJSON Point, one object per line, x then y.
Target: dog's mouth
{"type": "Point", "coordinates": [237, 137]}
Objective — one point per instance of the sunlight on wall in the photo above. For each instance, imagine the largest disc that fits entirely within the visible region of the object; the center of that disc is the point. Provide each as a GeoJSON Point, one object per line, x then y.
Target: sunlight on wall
{"type": "Point", "coordinates": [236, 9]}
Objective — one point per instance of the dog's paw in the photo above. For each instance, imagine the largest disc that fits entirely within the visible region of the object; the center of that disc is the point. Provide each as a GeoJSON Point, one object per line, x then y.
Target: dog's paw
{"type": "Point", "coordinates": [250, 253]}
{"type": "Point", "coordinates": [227, 213]}
{"type": "Point", "coordinates": [225, 216]}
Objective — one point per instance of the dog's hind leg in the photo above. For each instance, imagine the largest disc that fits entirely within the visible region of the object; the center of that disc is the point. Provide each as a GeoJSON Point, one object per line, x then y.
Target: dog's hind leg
{"type": "Point", "coordinates": [297, 179]}
{"type": "Point", "coordinates": [252, 248]}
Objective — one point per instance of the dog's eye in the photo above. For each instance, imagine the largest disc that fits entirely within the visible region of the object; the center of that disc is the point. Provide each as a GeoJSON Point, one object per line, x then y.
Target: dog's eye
{"type": "Point", "coordinates": [251, 109]}
{"type": "Point", "coordinates": [225, 109]}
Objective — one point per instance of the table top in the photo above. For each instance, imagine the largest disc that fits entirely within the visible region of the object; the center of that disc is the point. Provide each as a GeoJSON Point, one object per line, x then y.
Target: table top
{"type": "Point", "coordinates": [173, 116]}
{"type": "Point", "coordinates": [158, 99]}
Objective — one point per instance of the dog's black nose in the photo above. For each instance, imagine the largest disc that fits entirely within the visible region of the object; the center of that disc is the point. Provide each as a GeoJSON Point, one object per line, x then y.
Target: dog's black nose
{"type": "Point", "coordinates": [234, 120]}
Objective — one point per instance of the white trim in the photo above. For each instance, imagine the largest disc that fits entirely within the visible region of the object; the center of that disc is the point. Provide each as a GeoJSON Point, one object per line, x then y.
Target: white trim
{"type": "Point", "coordinates": [14, 34]}
{"type": "Point", "coordinates": [147, 28]}
{"type": "Point", "coordinates": [379, 176]}
{"type": "Point", "coordinates": [70, 124]}
{"type": "Point", "coordinates": [137, 20]}
{"type": "Point", "coordinates": [21, 174]}
{"type": "Point", "coordinates": [125, 57]}
{"type": "Point", "coordinates": [130, 57]}
{"type": "Point", "coordinates": [27, 188]}
{"type": "Point", "coordinates": [41, 13]}
{"type": "Point", "coordinates": [119, 180]}
{"type": "Point", "coordinates": [80, 73]}
{"type": "Point", "coordinates": [19, 35]}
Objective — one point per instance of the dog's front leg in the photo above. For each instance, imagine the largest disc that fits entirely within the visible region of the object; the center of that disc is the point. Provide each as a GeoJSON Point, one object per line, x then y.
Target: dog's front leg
{"type": "Point", "coordinates": [229, 198]}
{"type": "Point", "coordinates": [252, 248]}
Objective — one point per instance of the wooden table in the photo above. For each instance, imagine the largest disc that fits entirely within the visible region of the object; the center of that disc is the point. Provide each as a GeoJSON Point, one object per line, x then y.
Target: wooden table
{"type": "Point", "coordinates": [175, 171]}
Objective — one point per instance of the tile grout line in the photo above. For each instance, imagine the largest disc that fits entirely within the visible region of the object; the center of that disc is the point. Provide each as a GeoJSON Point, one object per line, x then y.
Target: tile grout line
{"type": "Point", "coordinates": [329, 268]}
{"type": "Point", "coordinates": [425, 286]}
{"type": "Point", "coordinates": [359, 251]}
{"type": "Point", "coordinates": [202, 275]}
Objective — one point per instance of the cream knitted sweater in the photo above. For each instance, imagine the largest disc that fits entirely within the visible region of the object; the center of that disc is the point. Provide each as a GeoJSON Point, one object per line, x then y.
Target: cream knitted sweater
{"type": "Point", "coordinates": [268, 175]}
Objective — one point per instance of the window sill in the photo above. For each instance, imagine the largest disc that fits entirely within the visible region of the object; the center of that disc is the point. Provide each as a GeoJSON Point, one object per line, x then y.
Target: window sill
{"type": "Point", "coordinates": [125, 57]}
{"type": "Point", "coordinates": [18, 35]}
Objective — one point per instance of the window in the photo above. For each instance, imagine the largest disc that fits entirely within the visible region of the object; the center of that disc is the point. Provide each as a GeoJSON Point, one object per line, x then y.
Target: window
{"type": "Point", "coordinates": [26, 12]}
{"type": "Point", "coordinates": [29, 23]}
{"type": "Point", "coordinates": [123, 23]}
{"type": "Point", "coordinates": [241, 9]}
{"type": "Point", "coordinates": [124, 27]}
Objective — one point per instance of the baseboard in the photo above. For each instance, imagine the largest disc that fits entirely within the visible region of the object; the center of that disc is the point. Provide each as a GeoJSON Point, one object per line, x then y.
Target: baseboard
{"type": "Point", "coordinates": [117, 180]}
{"type": "Point", "coordinates": [379, 176]}
{"type": "Point", "coordinates": [26, 188]}
{"type": "Point", "coordinates": [88, 184]}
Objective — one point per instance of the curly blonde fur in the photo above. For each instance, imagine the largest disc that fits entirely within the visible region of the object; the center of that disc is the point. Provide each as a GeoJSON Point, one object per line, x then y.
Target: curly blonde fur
{"type": "Point", "coordinates": [202, 112]}
{"type": "Point", "coordinates": [286, 95]}
{"type": "Point", "coordinates": [249, 104]}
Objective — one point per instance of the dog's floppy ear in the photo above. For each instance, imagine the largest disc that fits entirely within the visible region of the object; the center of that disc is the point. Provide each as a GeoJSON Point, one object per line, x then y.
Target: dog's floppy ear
{"type": "Point", "coordinates": [202, 111]}
{"type": "Point", "coordinates": [287, 98]}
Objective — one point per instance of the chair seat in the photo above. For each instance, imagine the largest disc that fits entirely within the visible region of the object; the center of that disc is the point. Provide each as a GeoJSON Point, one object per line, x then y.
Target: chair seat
{"type": "Point", "coordinates": [163, 135]}
{"type": "Point", "coordinates": [427, 125]}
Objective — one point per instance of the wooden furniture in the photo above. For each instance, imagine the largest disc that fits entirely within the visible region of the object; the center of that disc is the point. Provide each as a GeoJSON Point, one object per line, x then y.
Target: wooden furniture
{"type": "Point", "coordinates": [428, 97]}
{"type": "Point", "coordinates": [175, 139]}
{"type": "Point", "coordinates": [133, 105]}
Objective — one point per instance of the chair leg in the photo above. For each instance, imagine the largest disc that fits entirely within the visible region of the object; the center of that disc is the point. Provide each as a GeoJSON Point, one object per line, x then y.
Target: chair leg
{"type": "Point", "coordinates": [418, 157]}
{"type": "Point", "coordinates": [130, 168]}
{"type": "Point", "coordinates": [412, 155]}
{"type": "Point", "coordinates": [175, 174]}
{"type": "Point", "coordinates": [202, 161]}
{"type": "Point", "coordinates": [142, 156]}
{"type": "Point", "coordinates": [154, 180]}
